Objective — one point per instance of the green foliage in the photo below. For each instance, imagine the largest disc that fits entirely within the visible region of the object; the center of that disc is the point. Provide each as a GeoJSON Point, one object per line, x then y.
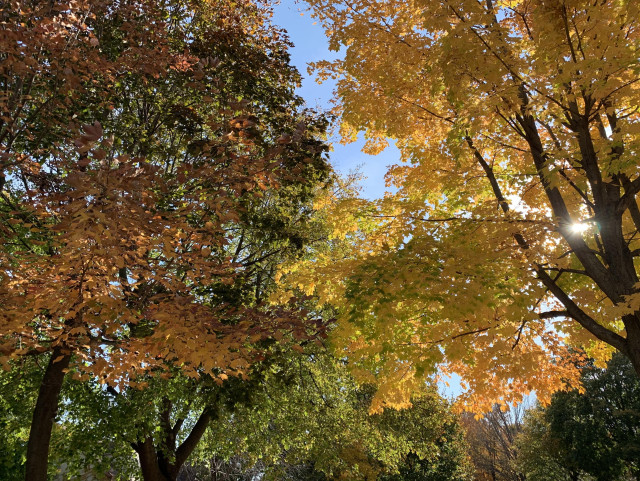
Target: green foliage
{"type": "Point", "coordinates": [297, 417]}
{"type": "Point", "coordinates": [446, 463]}
{"type": "Point", "coordinates": [100, 424]}
{"type": "Point", "coordinates": [19, 388]}
{"type": "Point", "coordinates": [540, 456]}
{"type": "Point", "coordinates": [311, 410]}
{"type": "Point", "coordinates": [596, 433]}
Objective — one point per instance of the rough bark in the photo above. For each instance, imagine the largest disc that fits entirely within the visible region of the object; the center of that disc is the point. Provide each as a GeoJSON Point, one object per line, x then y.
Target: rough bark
{"type": "Point", "coordinates": [633, 342]}
{"type": "Point", "coordinates": [44, 415]}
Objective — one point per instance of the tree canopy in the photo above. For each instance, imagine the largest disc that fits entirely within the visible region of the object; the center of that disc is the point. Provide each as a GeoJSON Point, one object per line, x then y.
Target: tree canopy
{"type": "Point", "coordinates": [136, 137]}
{"type": "Point", "coordinates": [510, 229]}
{"type": "Point", "coordinates": [591, 433]}
{"type": "Point", "coordinates": [298, 416]}
{"type": "Point", "coordinates": [174, 248]}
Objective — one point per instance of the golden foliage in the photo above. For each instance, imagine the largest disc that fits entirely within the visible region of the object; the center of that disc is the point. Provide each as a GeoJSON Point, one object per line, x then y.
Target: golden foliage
{"type": "Point", "coordinates": [509, 243]}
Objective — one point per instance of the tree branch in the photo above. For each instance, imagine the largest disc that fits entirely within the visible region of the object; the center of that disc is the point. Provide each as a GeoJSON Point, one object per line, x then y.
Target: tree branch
{"type": "Point", "coordinates": [553, 314]}
{"type": "Point", "coordinates": [189, 444]}
{"type": "Point", "coordinates": [629, 196]}
{"type": "Point", "coordinates": [586, 321]}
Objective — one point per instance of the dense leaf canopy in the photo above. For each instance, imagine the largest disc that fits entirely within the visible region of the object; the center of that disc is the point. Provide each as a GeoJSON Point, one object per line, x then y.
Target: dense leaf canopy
{"type": "Point", "coordinates": [108, 234]}
{"type": "Point", "coordinates": [510, 229]}
{"type": "Point", "coordinates": [141, 146]}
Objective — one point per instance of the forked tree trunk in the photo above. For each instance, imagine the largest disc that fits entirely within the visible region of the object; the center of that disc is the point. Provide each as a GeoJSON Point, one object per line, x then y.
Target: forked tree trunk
{"type": "Point", "coordinates": [165, 464]}
{"type": "Point", "coordinates": [44, 415]}
{"type": "Point", "coordinates": [149, 461]}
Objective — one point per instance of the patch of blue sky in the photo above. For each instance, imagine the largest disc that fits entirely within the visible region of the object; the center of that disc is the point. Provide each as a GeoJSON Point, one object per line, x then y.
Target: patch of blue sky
{"type": "Point", "coordinates": [311, 45]}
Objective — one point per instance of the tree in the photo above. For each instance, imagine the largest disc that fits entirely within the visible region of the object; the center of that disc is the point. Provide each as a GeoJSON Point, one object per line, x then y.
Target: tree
{"type": "Point", "coordinates": [164, 422]}
{"type": "Point", "coordinates": [298, 416]}
{"type": "Point", "coordinates": [512, 227]}
{"type": "Point", "coordinates": [113, 238]}
{"type": "Point", "coordinates": [540, 457]}
{"type": "Point", "coordinates": [312, 417]}
{"type": "Point", "coordinates": [492, 443]}
{"type": "Point", "coordinates": [449, 462]}
{"type": "Point", "coordinates": [593, 433]}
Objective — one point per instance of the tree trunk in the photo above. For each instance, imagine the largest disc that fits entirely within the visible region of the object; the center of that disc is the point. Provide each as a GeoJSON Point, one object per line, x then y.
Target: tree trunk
{"type": "Point", "coordinates": [155, 464]}
{"type": "Point", "coordinates": [44, 415]}
{"type": "Point", "coordinates": [633, 342]}
{"type": "Point", "coordinates": [149, 461]}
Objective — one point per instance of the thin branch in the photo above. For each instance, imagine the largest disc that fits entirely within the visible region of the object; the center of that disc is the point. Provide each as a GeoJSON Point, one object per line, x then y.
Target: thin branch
{"type": "Point", "coordinates": [430, 112]}
{"type": "Point", "coordinates": [562, 269]}
{"type": "Point", "coordinates": [576, 188]}
{"type": "Point", "coordinates": [553, 314]}
{"type": "Point", "coordinates": [466, 219]}
{"type": "Point", "coordinates": [629, 196]}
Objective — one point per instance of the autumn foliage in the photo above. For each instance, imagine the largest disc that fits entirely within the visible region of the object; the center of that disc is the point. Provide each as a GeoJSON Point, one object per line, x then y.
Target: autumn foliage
{"type": "Point", "coordinates": [508, 243]}
{"type": "Point", "coordinates": [157, 168]}
{"type": "Point", "coordinates": [135, 135]}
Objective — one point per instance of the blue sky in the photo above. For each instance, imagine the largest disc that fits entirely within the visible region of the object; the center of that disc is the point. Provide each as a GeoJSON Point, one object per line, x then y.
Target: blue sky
{"type": "Point", "coordinates": [310, 45]}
